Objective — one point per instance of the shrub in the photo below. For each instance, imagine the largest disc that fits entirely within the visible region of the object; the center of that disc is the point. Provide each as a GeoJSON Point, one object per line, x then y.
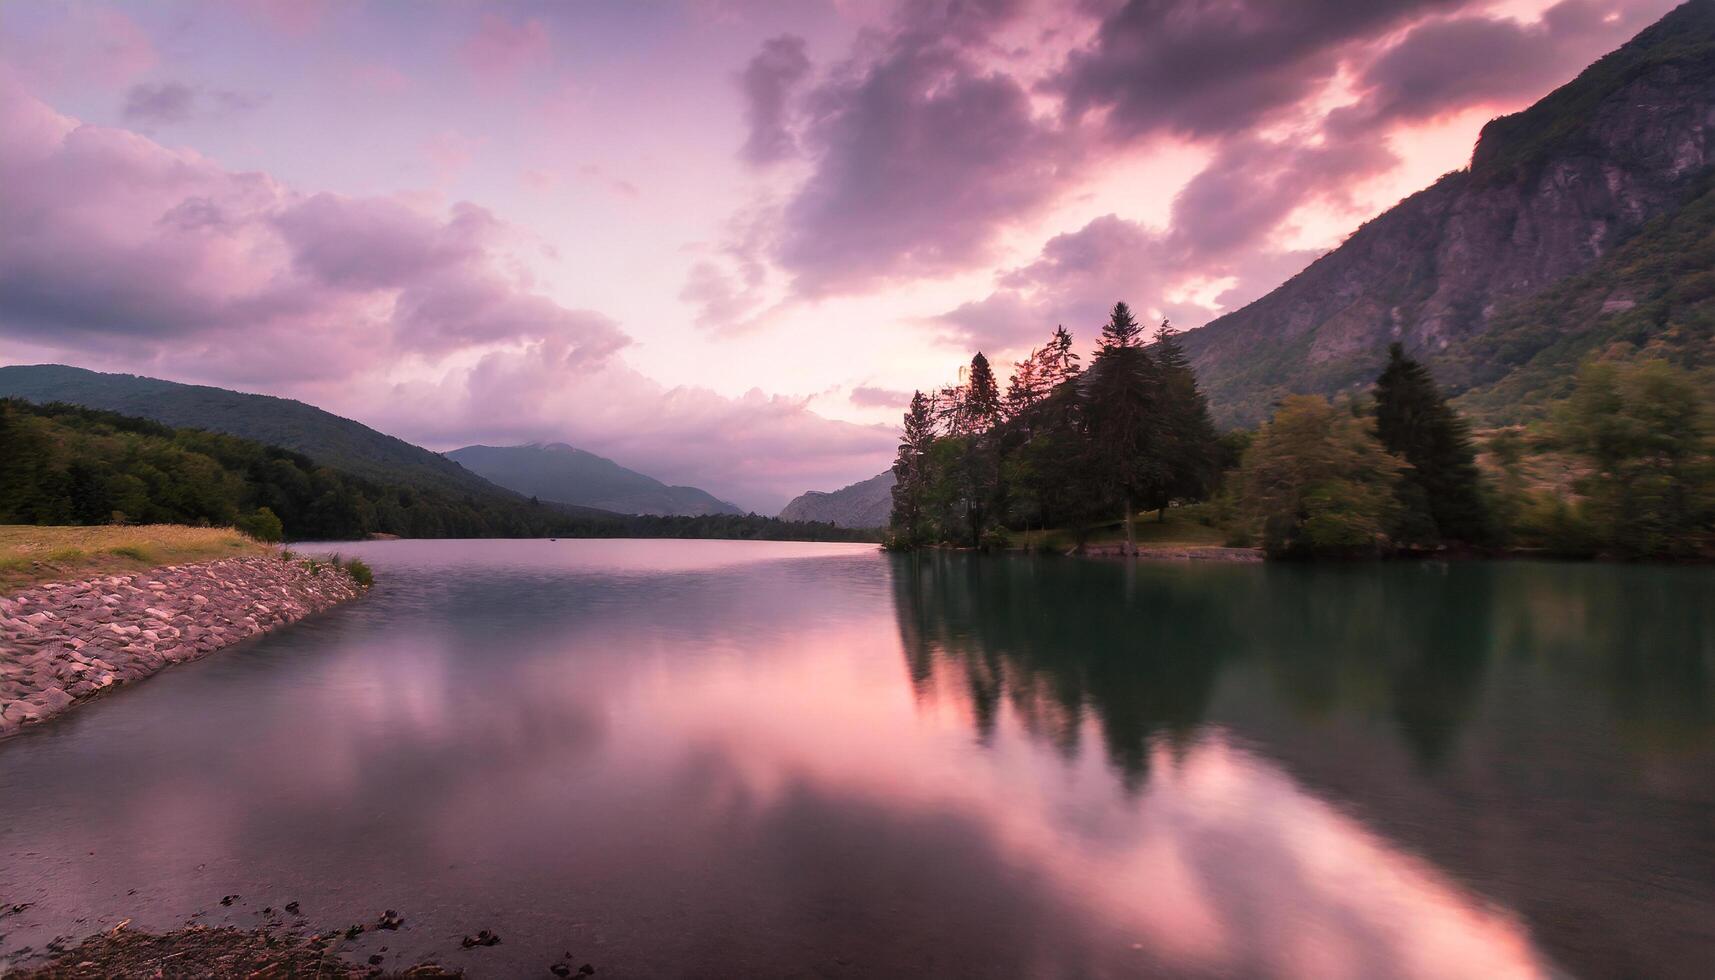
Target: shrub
{"type": "Point", "coordinates": [360, 572]}
{"type": "Point", "coordinates": [263, 525]}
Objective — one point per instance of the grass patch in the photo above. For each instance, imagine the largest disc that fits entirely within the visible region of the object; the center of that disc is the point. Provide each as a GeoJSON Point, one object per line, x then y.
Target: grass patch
{"type": "Point", "coordinates": [357, 568]}
{"type": "Point", "coordinates": [1183, 528]}
{"type": "Point", "coordinates": [31, 555]}
{"type": "Point", "coordinates": [360, 572]}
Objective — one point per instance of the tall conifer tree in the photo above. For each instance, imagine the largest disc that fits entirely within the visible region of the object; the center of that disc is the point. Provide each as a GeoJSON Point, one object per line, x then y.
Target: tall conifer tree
{"type": "Point", "coordinates": [1124, 421]}
{"type": "Point", "coordinates": [1442, 492]}
{"type": "Point", "coordinates": [910, 471]}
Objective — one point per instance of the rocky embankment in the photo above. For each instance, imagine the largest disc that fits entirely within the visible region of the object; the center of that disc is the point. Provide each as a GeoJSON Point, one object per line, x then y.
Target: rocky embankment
{"type": "Point", "coordinates": [64, 643]}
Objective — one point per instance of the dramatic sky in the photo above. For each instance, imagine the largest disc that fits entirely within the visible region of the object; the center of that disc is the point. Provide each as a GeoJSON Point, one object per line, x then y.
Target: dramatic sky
{"type": "Point", "coordinates": [716, 240]}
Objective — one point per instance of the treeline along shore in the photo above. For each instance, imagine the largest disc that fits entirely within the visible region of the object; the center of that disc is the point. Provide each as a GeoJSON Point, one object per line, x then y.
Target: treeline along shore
{"type": "Point", "coordinates": [1623, 466]}
{"type": "Point", "coordinates": [68, 464]}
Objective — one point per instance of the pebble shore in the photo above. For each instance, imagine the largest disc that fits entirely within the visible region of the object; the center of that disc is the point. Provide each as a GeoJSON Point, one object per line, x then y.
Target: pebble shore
{"type": "Point", "coordinates": [64, 643]}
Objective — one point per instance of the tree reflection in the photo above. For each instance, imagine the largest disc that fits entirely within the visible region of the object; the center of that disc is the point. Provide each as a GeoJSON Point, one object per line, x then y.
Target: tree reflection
{"type": "Point", "coordinates": [1141, 648]}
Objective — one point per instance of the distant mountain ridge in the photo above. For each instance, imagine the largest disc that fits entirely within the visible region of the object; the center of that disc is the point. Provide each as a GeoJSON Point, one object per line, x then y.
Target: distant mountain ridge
{"type": "Point", "coordinates": [329, 439]}
{"type": "Point", "coordinates": [564, 474]}
{"type": "Point", "coordinates": [866, 504]}
{"type": "Point", "coordinates": [1551, 192]}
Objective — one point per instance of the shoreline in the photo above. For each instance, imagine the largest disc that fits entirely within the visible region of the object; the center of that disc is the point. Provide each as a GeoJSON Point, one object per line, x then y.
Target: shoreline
{"type": "Point", "coordinates": [273, 949]}
{"type": "Point", "coordinates": [65, 643]}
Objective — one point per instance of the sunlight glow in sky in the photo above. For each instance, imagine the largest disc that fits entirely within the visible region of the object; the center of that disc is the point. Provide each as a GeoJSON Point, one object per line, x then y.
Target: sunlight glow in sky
{"type": "Point", "coordinates": [719, 241]}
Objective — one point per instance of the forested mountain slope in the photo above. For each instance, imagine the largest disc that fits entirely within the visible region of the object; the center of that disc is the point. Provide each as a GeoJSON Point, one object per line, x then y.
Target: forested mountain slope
{"type": "Point", "coordinates": [1551, 192]}
{"type": "Point", "coordinates": [323, 436]}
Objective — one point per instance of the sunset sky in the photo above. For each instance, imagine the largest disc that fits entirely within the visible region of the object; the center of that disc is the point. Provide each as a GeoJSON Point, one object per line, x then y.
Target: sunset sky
{"type": "Point", "coordinates": [718, 241]}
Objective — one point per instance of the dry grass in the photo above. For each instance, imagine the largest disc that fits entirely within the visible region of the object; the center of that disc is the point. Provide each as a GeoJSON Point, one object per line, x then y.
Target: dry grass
{"type": "Point", "coordinates": [32, 555]}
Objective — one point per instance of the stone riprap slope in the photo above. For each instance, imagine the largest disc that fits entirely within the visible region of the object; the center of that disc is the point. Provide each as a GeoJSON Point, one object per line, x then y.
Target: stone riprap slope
{"type": "Point", "coordinates": [67, 642]}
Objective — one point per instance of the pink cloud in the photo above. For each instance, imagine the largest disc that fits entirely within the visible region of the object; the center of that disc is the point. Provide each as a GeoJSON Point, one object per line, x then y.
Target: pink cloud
{"type": "Point", "coordinates": [501, 48]}
{"type": "Point", "coordinates": [120, 252]}
{"type": "Point", "coordinates": [91, 43]}
{"type": "Point", "coordinates": [758, 450]}
{"type": "Point", "coordinates": [296, 18]}
{"type": "Point", "coordinates": [113, 238]}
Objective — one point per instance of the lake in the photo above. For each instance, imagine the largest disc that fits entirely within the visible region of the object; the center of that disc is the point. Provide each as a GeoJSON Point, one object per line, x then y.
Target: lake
{"type": "Point", "coordinates": [708, 758]}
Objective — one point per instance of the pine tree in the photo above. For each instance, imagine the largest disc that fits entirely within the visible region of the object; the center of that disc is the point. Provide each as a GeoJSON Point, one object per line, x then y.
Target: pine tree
{"type": "Point", "coordinates": [1124, 423]}
{"type": "Point", "coordinates": [982, 397]}
{"type": "Point", "coordinates": [1027, 386]}
{"type": "Point", "coordinates": [1191, 449]}
{"type": "Point", "coordinates": [1060, 362]}
{"type": "Point", "coordinates": [979, 464]}
{"type": "Point", "coordinates": [910, 471]}
{"type": "Point", "coordinates": [1121, 331]}
{"type": "Point", "coordinates": [1442, 492]}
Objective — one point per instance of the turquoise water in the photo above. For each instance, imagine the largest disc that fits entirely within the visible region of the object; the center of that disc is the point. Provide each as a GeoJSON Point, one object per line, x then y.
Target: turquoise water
{"type": "Point", "coordinates": [745, 758]}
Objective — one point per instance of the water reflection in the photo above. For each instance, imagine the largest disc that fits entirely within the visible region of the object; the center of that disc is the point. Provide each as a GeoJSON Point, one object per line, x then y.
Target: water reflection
{"type": "Point", "coordinates": [1544, 732]}
{"type": "Point", "coordinates": [699, 757]}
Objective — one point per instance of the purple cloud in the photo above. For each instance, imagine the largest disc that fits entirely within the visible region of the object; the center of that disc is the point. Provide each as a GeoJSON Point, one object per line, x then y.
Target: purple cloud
{"type": "Point", "coordinates": [120, 252]}
{"type": "Point", "coordinates": [920, 154]}
{"type": "Point", "coordinates": [167, 103]}
{"type": "Point", "coordinates": [768, 82]}
{"type": "Point", "coordinates": [869, 396]}
{"type": "Point", "coordinates": [110, 235]}
{"type": "Point", "coordinates": [1217, 67]}
{"type": "Point", "coordinates": [163, 103]}
{"type": "Point", "coordinates": [1447, 65]}
{"type": "Point", "coordinates": [501, 48]}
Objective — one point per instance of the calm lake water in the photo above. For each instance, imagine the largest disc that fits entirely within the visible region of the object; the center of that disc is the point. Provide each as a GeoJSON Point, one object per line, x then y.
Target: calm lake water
{"type": "Point", "coordinates": [735, 758]}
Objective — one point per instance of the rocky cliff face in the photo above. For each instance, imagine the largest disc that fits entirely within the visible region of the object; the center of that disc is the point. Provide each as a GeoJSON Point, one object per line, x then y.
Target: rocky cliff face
{"type": "Point", "coordinates": [862, 505]}
{"type": "Point", "coordinates": [1550, 191]}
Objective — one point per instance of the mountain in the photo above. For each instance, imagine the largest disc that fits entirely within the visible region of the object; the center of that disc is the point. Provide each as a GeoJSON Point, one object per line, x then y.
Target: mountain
{"type": "Point", "coordinates": [330, 440]}
{"type": "Point", "coordinates": [865, 504]}
{"type": "Point", "coordinates": [1552, 193]}
{"type": "Point", "coordinates": [571, 476]}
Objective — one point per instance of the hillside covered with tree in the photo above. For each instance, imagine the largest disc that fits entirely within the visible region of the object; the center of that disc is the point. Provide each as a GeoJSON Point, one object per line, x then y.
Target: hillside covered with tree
{"type": "Point", "coordinates": [68, 464]}
{"type": "Point", "coordinates": [1394, 470]}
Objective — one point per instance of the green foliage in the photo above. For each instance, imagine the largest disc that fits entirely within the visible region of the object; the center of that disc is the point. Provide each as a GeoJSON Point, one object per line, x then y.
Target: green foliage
{"type": "Point", "coordinates": [1064, 448]}
{"type": "Point", "coordinates": [1441, 494]}
{"type": "Point", "coordinates": [359, 571]}
{"type": "Point", "coordinates": [71, 465]}
{"type": "Point", "coordinates": [1646, 432]}
{"type": "Point", "coordinates": [1559, 123]}
{"type": "Point", "coordinates": [1316, 482]}
{"type": "Point", "coordinates": [263, 525]}
{"type": "Point", "coordinates": [1653, 297]}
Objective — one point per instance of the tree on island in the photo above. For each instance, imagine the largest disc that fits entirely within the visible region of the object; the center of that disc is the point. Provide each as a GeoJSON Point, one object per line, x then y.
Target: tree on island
{"type": "Point", "coordinates": [910, 472]}
{"type": "Point", "coordinates": [1191, 448]}
{"type": "Point", "coordinates": [977, 477]}
{"type": "Point", "coordinates": [1316, 482]}
{"type": "Point", "coordinates": [1441, 495]}
{"type": "Point", "coordinates": [1125, 423]}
